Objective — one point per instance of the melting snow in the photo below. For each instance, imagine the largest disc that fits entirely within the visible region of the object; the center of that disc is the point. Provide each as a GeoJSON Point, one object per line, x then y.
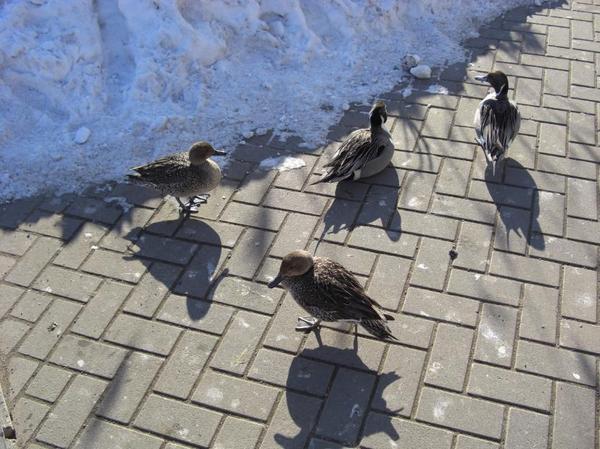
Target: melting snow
{"type": "Point", "coordinates": [282, 163]}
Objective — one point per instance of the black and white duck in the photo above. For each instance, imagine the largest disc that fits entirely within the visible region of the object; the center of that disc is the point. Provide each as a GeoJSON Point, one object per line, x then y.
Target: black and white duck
{"type": "Point", "coordinates": [497, 119]}
{"type": "Point", "coordinates": [329, 292]}
{"type": "Point", "coordinates": [188, 173]}
{"type": "Point", "coordinates": [365, 152]}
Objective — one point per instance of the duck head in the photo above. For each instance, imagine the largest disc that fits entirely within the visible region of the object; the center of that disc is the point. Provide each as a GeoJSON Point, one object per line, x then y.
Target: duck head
{"type": "Point", "coordinates": [200, 151]}
{"type": "Point", "coordinates": [498, 80]}
{"type": "Point", "coordinates": [378, 114]}
{"type": "Point", "coordinates": [295, 263]}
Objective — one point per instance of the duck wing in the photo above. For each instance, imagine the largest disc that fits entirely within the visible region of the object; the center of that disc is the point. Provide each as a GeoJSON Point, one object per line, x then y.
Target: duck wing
{"type": "Point", "coordinates": [361, 146]}
{"type": "Point", "coordinates": [163, 168]}
{"type": "Point", "coordinates": [496, 126]}
{"type": "Point", "coordinates": [341, 296]}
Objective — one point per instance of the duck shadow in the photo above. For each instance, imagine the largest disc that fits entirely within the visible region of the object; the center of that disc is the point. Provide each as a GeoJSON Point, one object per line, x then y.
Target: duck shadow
{"type": "Point", "coordinates": [183, 267]}
{"type": "Point", "coordinates": [346, 402]}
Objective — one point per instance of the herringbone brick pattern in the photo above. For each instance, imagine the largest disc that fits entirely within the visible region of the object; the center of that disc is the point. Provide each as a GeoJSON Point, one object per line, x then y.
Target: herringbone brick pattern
{"type": "Point", "coordinates": [122, 325]}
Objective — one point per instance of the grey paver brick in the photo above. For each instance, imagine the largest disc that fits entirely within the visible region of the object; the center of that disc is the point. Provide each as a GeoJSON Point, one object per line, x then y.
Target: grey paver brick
{"type": "Point", "coordinates": [164, 248]}
{"type": "Point", "coordinates": [556, 82]}
{"type": "Point", "coordinates": [572, 428]}
{"type": "Point", "coordinates": [31, 305]}
{"type": "Point", "coordinates": [473, 246]}
{"type": "Point", "coordinates": [398, 384]}
{"type": "Point", "coordinates": [579, 294]}
{"type": "Point", "coordinates": [11, 332]}
{"type": "Point", "coordinates": [581, 199]}
{"type": "Point", "coordinates": [582, 30]}
{"type": "Point", "coordinates": [526, 430]}
{"type": "Point", "coordinates": [114, 265]}
{"type": "Point", "coordinates": [568, 167]}
{"type": "Point", "coordinates": [294, 419]}
{"type": "Point", "coordinates": [556, 363]}
{"type": "Point", "coordinates": [34, 261]}
{"type": "Point", "coordinates": [553, 139]}
{"type": "Point", "coordinates": [335, 226]}
{"type": "Point", "coordinates": [582, 128]}
{"type": "Point", "coordinates": [431, 264]}
{"type": "Point", "coordinates": [510, 386]}
{"type": "Point", "coordinates": [563, 250]}
{"type": "Point", "coordinates": [548, 212]}
{"type": "Point", "coordinates": [19, 372]}
{"type": "Point", "coordinates": [529, 91]}
{"type": "Point", "coordinates": [71, 411]}
{"type": "Point", "coordinates": [405, 133]}
{"type": "Point", "coordinates": [583, 73]}
{"type": "Point", "coordinates": [237, 434]}
{"type": "Point", "coordinates": [202, 272]}
{"type": "Point", "coordinates": [260, 217]}
{"type": "Point", "coordinates": [247, 294]}
{"type": "Point", "coordinates": [185, 364]}
{"type": "Point", "coordinates": [174, 419]}
{"type": "Point", "coordinates": [67, 283]}
{"type": "Point", "coordinates": [377, 239]}
{"type": "Point", "coordinates": [585, 93]}
{"type": "Point", "coordinates": [95, 210]}
{"type": "Point", "coordinates": [128, 387]}
{"type": "Point", "coordinates": [280, 335]}
{"type": "Point", "coordinates": [238, 344]}
{"type": "Point", "coordinates": [384, 431]}
{"type": "Point", "coordinates": [15, 242]}
{"type": "Point", "coordinates": [9, 295]}
{"type": "Point", "coordinates": [295, 201]}
{"type": "Point", "coordinates": [535, 180]}
{"type": "Point", "coordinates": [538, 319]}
{"type": "Point", "coordinates": [437, 123]}
{"type": "Point", "coordinates": [101, 434]}
{"type": "Point", "coordinates": [440, 306]}
{"type": "Point", "coordinates": [143, 334]}
{"type": "Point", "coordinates": [49, 328]}
{"type": "Point", "coordinates": [424, 224]}
{"type": "Point", "coordinates": [501, 194]}
{"type": "Point", "coordinates": [77, 249]}
{"type": "Point", "coordinates": [580, 336]}
{"type": "Point", "coordinates": [213, 233]}
{"type": "Point", "coordinates": [449, 357]}
{"type": "Point", "coordinates": [496, 335]}
{"type": "Point", "coordinates": [349, 397]}
{"type": "Point", "coordinates": [588, 231]}
{"type": "Point", "coordinates": [559, 37]}
{"type": "Point", "coordinates": [454, 177]}
{"type": "Point", "coordinates": [388, 281]}
{"type": "Point", "coordinates": [295, 233]}
{"type": "Point", "coordinates": [151, 290]}
{"type": "Point", "coordinates": [49, 383]}
{"type": "Point", "coordinates": [525, 268]}
{"type": "Point", "coordinates": [101, 309]}
{"type": "Point", "coordinates": [462, 208]}
{"type": "Point", "coordinates": [247, 255]}
{"type": "Point", "coordinates": [255, 186]}
{"type": "Point", "coordinates": [52, 225]}
{"type": "Point", "coordinates": [512, 230]}
{"type": "Point", "coordinates": [196, 314]}
{"type": "Point", "coordinates": [467, 442]}
{"type": "Point", "coordinates": [126, 229]}
{"type": "Point", "coordinates": [416, 191]}
{"type": "Point", "coordinates": [88, 356]}
{"type": "Point", "coordinates": [240, 396]}
{"type": "Point", "coordinates": [455, 150]}
{"type": "Point", "coordinates": [424, 163]}
{"type": "Point", "coordinates": [461, 412]}
{"type": "Point", "coordinates": [27, 416]}
{"type": "Point", "coordinates": [295, 373]}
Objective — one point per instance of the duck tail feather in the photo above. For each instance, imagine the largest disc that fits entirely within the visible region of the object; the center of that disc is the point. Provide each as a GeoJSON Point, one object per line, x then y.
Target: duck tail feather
{"type": "Point", "coordinates": [378, 328]}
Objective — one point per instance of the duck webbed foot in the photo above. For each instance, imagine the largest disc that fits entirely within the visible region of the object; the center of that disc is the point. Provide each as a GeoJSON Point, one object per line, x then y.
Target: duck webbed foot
{"type": "Point", "coordinates": [188, 207]}
{"type": "Point", "coordinates": [199, 199]}
{"type": "Point", "coordinates": [306, 324]}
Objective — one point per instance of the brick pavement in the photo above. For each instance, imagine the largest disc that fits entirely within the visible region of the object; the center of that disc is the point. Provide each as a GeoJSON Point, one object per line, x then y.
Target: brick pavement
{"type": "Point", "coordinates": [127, 327]}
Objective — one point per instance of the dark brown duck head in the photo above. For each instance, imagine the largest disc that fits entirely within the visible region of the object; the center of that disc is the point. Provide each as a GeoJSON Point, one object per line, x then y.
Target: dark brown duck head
{"type": "Point", "coordinates": [199, 152]}
{"type": "Point", "coordinates": [295, 263]}
{"type": "Point", "coordinates": [378, 114]}
{"type": "Point", "coordinates": [498, 80]}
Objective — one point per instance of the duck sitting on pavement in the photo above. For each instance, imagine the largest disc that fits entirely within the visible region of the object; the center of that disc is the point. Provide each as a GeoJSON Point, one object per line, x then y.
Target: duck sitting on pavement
{"type": "Point", "coordinates": [329, 292]}
{"type": "Point", "coordinates": [364, 153]}
{"type": "Point", "coordinates": [497, 119]}
{"type": "Point", "coordinates": [188, 173]}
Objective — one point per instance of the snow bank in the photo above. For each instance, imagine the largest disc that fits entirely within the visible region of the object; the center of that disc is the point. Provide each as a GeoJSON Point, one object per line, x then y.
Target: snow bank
{"type": "Point", "coordinates": [148, 77]}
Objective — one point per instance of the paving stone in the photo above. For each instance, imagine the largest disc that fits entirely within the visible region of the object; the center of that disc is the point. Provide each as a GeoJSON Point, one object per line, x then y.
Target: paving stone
{"type": "Point", "coordinates": [424, 224]}
{"type": "Point", "coordinates": [128, 228]}
{"type": "Point", "coordinates": [423, 163]}
{"type": "Point", "coordinates": [467, 442]}
{"type": "Point", "coordinates": [195, 314]}
{"type": "Point", "coordinates": [569, 104]}
{"type": "Point", "coordinates": [496, 335]}
{"type": "Point", "coordinates": [553, 139]}
{"type": "Point", "coordinates": [438, 123]}
{"type": "Point", "coordinates": [588, 231]}
{"type": "Point", "coordinates": [247, 255]}
{"type": "Point", "coordinates": [380, 240]}
{"type": "Point", "coordinates": [295, 201]}
{"type": "Point", "coordinates": [67, 283]}
{"type": "Point", "coordinates": [525, 268]}
{"type": "Point", "coordinates": [164, 248]}
{"type": "Point", "coordinates": [441, 147]}
{"type": "Point", "coordinates": [548, 213]}
{"type": "Point", "coordinates": [49, 329]}
{"type": "Point", "coordinates": [151, 290]}
{"type": "Point", "coordinates": [202, 273]}
{"type": "Point", "coordinates": [572, 428]}
{"type": "Point", "coordinates": [72, 410]}
{"type": "Point", "coordinates": [292, 422]}
{"type": "Point", "coordinates": [583, 152]}
{"type": "Point", "coordinates": [15, 212]}
{"type": "Point", "coordinates": [280, 335]}
{"type": "Point", "coordinates": [431, 264]}
{"type": "Point", "coordinates": [454, 177]}
{"type": "Point", "coordinates": [556, 82]}
{"type": "Point", "coordinates": [247, 294]}
{"type": "Point", "coordinates": [237, 434]}
{"type": "Point", "coordinates": [501, 194]}
{"type": "Point", "coordinates": [398, 384]}
{"type": "Point", "coordinates": [31, 305]}
{"type": "Point", "coordinates": [52, 225]}
{"type": "Point", "coordinates": [512, 230]}
{"type": "Point", "coordinates": [19, 372]}
{"type": "Point", "coordinates": [254, 187]}
{"type": "Point", "coordinates": [340, 349]}
{"type": "Point", "coordinates": [78, 248]}
{"type": "Point", "coordinates": [582, 128]}
{"type": "Point", "coordinates": [379, 206]}
{"type": "Point", "coordinates": [384, 431]}
{"type": "Point", "coordinates": [388, 280]}
{"type": "Point", "coordinates": [473, 246]}
{"type": "Point", "coordinates": [538, 319]}
{"type": "Point", "coordinates": [94, 210]}
{"type": "Point", "coordinates": [11, 332]}
{"type": "Point", "coordinates": [49, 383]}
{"type": "Point", "coordinates": [240, 396]}
{"type": "Point", "coordinates": [529, 91]}
{"type": "Point", "coordinates": [585, 93]}
{"type": "Point", "coordinates": [526, 430]}
{"type": "Point", "coordinates": [128, 387]}
{"type": "Point", "coordinates": [101, 434]}
{"type": "Point", "coordinates": [143, 334]}
{"type": "Point", "coordinates": [34, 261]}
{"type": "Point", "coordinates": [563, 250]}
{"type": "Point", "coordinates": [9, 295]}
{"type": "Point", "coordinates": [535, 180]}
{"type": "Point", "coordinates": [568, 167]}
{"type": "Point", "coordinates": [185, 364]}
{"type": "Point", "coordinates": [317, 443]}
{"type": "Point", "coordinates": [510, 386]}
{"type": "Point", "coordinates": [447, 364]}
{"type": "Point", "coordinates": [212, 233]}
{"type": "Point", "coordinates": [114, 265]}
{"type": "Point", "coordinates": [581, 199]}
{"type": "Point", "coordinates": [349, 397]}
{"type": "Point", "coordinates": [580, 336]}
{"type": "Point", "coordinates": [579, 294]}
{"type": "Point", "coordinates": [556, 363]}
{"type": "Point", "coordinates": [15, 242]}
{"type": "Point", "coordinates": [27, 416]}
{"type": "Point", "coordinates": [88, 356]}
{"type": "Point", "coordinates": [441, 306]}
{"type": "Point", "coordinates": [179, 421]}
{"type": "Point", "coordinates": [583, 73]}
{"type": "Point", "coordinates": [461, 208]}
{"type": "Point", "coordinates": [295, 373]}
{"type": "Point", "coordinates": [416, 191]}
{"type": "Point", "coordinates": [261, 217]}
{"type": "Point", "coordinates": [559, 37]}
{"type": "Point", "coordinates": [461, 412]}
{"type": "Point", "coordinates": [297, 231]}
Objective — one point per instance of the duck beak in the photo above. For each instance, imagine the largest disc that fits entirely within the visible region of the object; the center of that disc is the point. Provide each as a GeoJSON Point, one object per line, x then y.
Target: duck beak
{"type": "Point", "coordinates": [482, 78]}
{"type": "Point", "coordinates": [275, 282]}
{"type": "Point", "coordinates": [219, 153]}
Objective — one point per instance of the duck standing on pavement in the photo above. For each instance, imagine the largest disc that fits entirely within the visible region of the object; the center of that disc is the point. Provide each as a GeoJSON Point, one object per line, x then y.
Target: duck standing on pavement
{"type": "Point", "coordinates": [497, 119]}
{"type": "Point", "coordinates": [188, 173]}
{"type": "Point", "coordinates": [329, 292]}
{"type": "Point", "coordinates": [364, 153]}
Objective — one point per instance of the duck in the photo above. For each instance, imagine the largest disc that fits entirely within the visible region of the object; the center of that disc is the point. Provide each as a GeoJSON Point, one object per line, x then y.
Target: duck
{"type": "Point", "coordinates": [187, 173]}
{"type": "Point", "coordinates": [365, 152]}
{"type": "Point", "coordinates": [329, 292]}
{"type": "Point", "coordinates": [497, 119]}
